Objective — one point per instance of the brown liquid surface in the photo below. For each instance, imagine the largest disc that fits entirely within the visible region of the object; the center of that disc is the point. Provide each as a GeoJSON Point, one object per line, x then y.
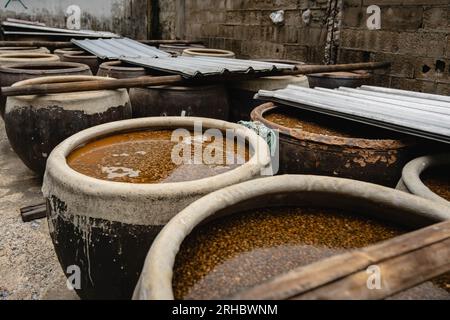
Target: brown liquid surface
{"type": "Point", "coordinates": [237, 252]}
{"type": "Point", "coordinates": [292, 118]}
{"type": "Point", "coordinates": [438, 180]}
{"type": "Point", "coordinates": [146, 157]}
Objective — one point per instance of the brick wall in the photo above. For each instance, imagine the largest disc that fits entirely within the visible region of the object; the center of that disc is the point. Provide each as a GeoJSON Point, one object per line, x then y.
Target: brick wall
{"type": "Point", "coordinates": [415, 34]}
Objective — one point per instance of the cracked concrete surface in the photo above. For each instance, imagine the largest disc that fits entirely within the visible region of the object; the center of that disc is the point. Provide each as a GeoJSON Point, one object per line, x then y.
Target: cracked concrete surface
{"type": "Point", "coordinates": [29, 268]}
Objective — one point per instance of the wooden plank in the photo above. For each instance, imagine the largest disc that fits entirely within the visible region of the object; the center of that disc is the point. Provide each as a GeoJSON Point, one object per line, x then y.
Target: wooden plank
{"type": "Point", "coordinates": [397, 274]}
{"type": "Point", "coordinates": [306, 278]}
{"type": "Point", "coordinates": [180, 22]}
{"type": "Point", "coordinates": [34, 212]}
{"type": "Point", "coordinates": [89, 85]}
{"type": "Point", "coordinates": [310, 69]}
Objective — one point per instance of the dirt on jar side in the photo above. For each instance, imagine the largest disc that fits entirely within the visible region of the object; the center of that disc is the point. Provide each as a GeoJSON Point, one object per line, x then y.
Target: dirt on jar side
{"type": "Point", "coordinates": [311, 122]}
{"type": "Point", "coordinates": [147, 157]}
{"type": "Point", "coordinates": [437, 179]}
{"type": "Point", "coordinates": [233, 253]}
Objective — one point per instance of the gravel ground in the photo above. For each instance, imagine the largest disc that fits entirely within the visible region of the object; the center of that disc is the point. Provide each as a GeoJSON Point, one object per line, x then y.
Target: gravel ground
{"type": "Point", "coordinates": [29, 268]}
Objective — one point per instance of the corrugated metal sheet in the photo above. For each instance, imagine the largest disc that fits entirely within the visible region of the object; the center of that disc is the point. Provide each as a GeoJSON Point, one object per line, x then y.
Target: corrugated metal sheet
{"type": "Point", "coordinates": [424, 117]}
{"type": "Point", "coordinates": [407, 93]}
{"type": "Point", "coordinates": [24, 28]}
{"type": "Point", "coordinates": [49, 34]}
{"type": "Point", "coordinates": [119, 48]}
{"type": "Point", "coordinates": [207, 66]}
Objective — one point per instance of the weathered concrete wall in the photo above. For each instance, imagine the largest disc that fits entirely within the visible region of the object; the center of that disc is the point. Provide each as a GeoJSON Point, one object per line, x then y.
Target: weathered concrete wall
{"type": "Point", "coordinates": [126, 17]}
{"type": "Point", "coordinates": [414, 36]}
{"type": "Point", "coordinates": [245, 27]}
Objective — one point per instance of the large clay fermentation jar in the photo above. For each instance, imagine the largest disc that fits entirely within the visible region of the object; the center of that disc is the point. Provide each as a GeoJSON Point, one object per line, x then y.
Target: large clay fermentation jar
{"type": "Point", "coordinates": [35, 124]}
{"type": "Point", "coordinates": [204, 52]}
{"type": "Point", "coordinates": [13, 73]}
{"type": "Point", "coordinates": [23, 50]}
{"type": "Point", "coordinates": [120, 70]}
{"type": "Point", "coordinates": [209, 101]}
{"type": "Point", "coordinates": [333, 80]}
{"type": "Point", "coordinates": [177, 49]}
{"type": "Point", "coordinates": [242, 92]}
{"type": "Point", "coordinates": [311, 143]}
{"type": "Point", "coordinates": [221, 267]}
{"type": "Point", "coordinates": [11, 58]}
{"type": "Point", "coordinates": [61, 52]}
{"type": "Point", "coordinates": [106, 227]}
{"type": "Point", "coordinates": [85, 58]}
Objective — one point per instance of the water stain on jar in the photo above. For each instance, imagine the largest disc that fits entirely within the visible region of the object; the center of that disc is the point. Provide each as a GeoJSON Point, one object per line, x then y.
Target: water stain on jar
{"type": "Point", "coordinates": [234, 253]}
{"type": "Point", "coordinates": [147, 157]}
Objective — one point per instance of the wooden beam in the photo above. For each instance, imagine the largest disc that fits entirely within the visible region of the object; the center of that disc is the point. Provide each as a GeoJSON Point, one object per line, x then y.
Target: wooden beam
{"type": "Point", "coordinates": [164, 80]}
{"type": "Point", "coordinates": [93, 85]}
{"type": "Point", "coordinates": [423, 254]}
{"type": "Point", "coordinates": [180, 23]}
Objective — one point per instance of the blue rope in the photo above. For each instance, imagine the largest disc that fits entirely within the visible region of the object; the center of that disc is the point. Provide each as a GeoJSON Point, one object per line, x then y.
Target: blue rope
{"type": "Point", "coordinates": [264, 132]}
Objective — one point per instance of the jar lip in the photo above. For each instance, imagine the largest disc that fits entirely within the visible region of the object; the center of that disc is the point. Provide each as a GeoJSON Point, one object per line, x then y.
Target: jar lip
{"type": "Point", "coordinates": [33, 67]}
{"type": "Point", "coordinates": [19, 48]}
{"type": "Point", "coordinates": [69, 49]}
{"type": "Point", "coordinates": [341, 75]}
{"type": "Point", "coordinates": [377, 144]}
{"type": "Point", "coordinates": [57, 166]}
{"type": "Point", "coordinates": [26, 55]}
{"type": "Point", "coordinates": [83, 55]}
{"type": "Point", "coordinates": [207, 51]}
{"type": "Point", "coordinates": [411, 175]}
{"type": "Point", "coordinates": [156, 278]}
{"type": "Point", "coordinates": [117, 65]}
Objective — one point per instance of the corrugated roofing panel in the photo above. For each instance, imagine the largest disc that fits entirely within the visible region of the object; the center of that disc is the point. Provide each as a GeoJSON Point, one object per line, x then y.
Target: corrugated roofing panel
{"type": "Point", "coordinates": [407, 93]}
{"type": "Point", "coordinates": [119, 48]}
{"type": "Point", "coordinates": [420, 119]}
{"type": "Point", "coordinates": [207, 66]}
{"type": "Point", "coordinates": [50, 34]}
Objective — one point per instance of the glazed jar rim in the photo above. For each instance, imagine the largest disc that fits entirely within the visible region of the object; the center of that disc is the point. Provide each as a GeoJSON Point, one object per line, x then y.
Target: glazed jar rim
{"type": "Point", "coordinates": [21, 67]}
{"type": "Point", "coordinates": [58, 168]}
{"type": "Point", "coordinates": [411, 175]}
{"type": "Point", "coordinates": [156, 278]}
{"type": "Point", "coordinates": [371, 144]}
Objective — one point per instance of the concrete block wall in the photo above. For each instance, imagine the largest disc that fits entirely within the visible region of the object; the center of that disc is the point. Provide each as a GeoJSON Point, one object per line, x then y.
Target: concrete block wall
{"type": "Point", "coordinates": [245, 27]}
{"type": "Point", "coordinates": [414, 36]}
{"type": "Point", "coordinates": [125, 17]}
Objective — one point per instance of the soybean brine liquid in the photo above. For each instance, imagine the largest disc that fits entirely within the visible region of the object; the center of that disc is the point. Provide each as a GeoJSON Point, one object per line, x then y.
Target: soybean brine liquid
{"type": "Point", "coordinates": [437, 179]}
{"type": "Point", "coordinates": [233, 253]}
{"type": "Point", "coordinates": [148, 157]}
{"type": "Point", "coordinates": [311, 122]}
